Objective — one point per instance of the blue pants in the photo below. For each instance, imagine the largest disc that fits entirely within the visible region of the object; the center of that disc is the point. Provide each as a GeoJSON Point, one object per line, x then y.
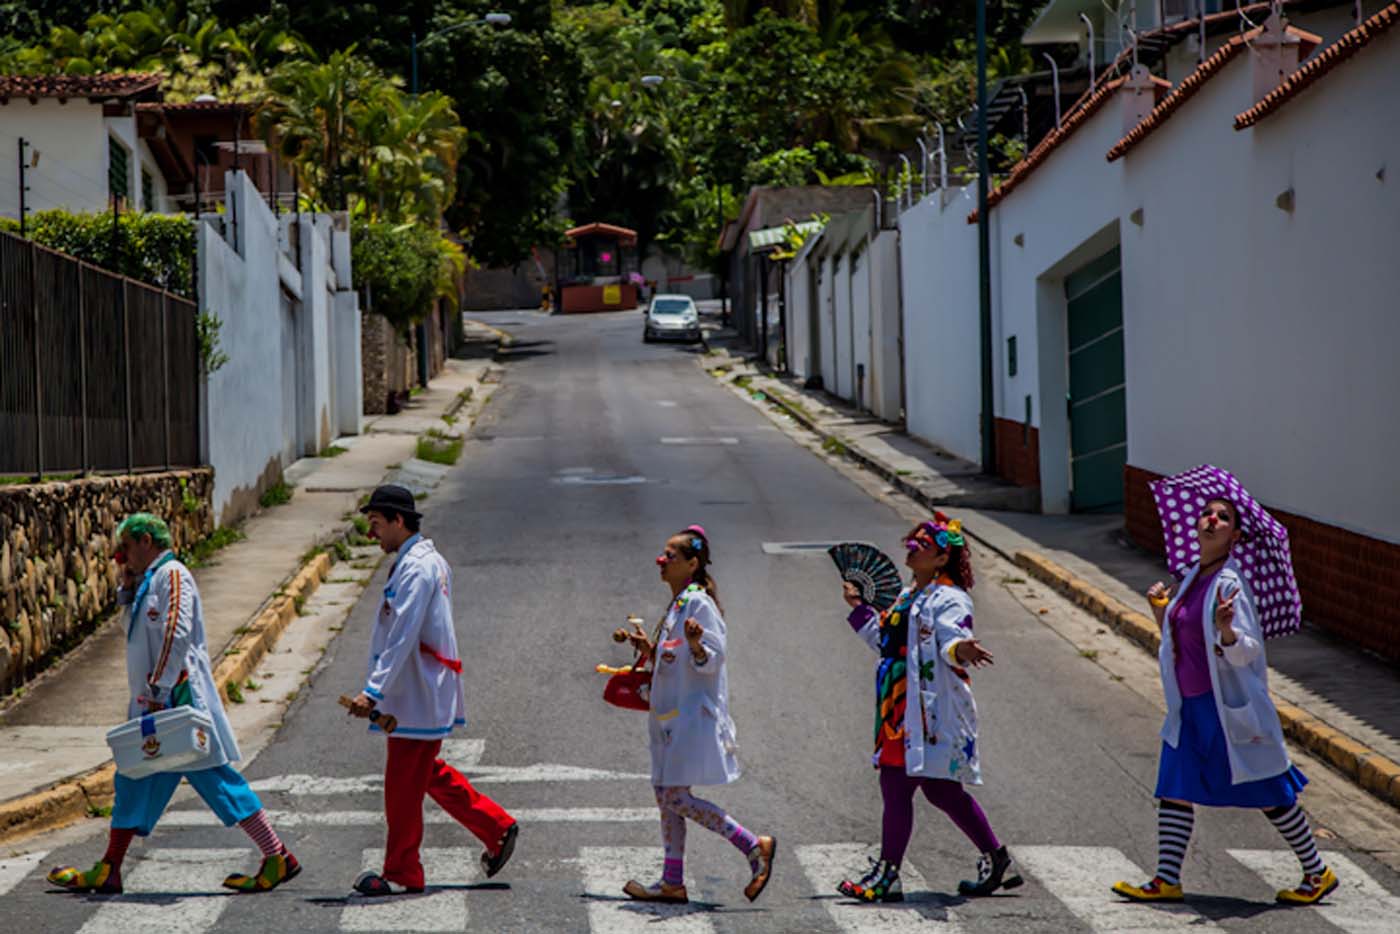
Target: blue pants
{"type": "Point", "coordinates": [140, 801]}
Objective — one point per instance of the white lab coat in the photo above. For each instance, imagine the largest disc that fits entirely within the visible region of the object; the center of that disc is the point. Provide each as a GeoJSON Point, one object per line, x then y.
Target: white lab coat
{"type": "Point", "coordinates": [693, 740]}
{"type": "Point", "coordinates": [1239, 678]}
{"type": "Point", "coordinates": [423, 694]}
{"type": "Point", "coordinates": [940, 715]}
{"type": "Point", "coordinates": [166, 645]}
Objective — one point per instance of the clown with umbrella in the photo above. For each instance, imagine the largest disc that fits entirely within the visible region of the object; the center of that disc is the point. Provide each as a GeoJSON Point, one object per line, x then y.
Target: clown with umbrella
{"type": "Point", "coordinates": [1222, 745]}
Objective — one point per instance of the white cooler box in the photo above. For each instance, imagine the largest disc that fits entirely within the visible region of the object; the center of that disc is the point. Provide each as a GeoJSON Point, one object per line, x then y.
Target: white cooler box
{"type": "Point", "coordinates": [174, 740]}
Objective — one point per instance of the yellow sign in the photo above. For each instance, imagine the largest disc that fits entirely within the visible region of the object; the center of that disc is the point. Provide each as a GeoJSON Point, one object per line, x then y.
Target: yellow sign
{"type": "Point", "coordinates": [612, 295]}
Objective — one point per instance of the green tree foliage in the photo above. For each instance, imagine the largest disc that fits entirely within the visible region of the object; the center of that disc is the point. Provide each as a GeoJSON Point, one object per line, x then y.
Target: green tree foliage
{"type": "Point", "coordinates": [404, 268]}
{"type": "Point", "coordinates": [153, 248]}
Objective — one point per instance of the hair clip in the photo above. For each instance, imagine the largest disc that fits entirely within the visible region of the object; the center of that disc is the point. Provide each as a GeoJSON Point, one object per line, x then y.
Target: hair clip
{"type": "Point", "coordinates": [698, 544]}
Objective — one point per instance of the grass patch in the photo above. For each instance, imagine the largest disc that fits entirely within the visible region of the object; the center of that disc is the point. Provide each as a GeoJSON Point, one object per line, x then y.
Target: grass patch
{"type": "Point", "coordinates": [299, 605]}
{"type": "Point", "coordinates": [1013, 580]}
{"type": "Point", "coordinates": [743, 382]}
{"type": "Point", "coordinates": [234, 692]}
{"type": "Point", "coordinates": [46, 478]}
{"type": "Point", "coordinates": [435, 448]}
{"type": "Point", "coordinates": [202, 552]}
{"type": "Point", "coordinates": [310, 554]}
{"type": "Point", "coordinates": [1090, 654]}
{"type": "Point", "coordinates": [252, 685]}
{"type": "Point", "coordinates": [834, 446]}
{"type": "Point", "coordinates": [279, 494]}
{"type": "Point", "coordinates": [104, 811]}
{"type": "Point", "coordinates": [342, 550]}
{"type": "Point", "coordinates": [333, 450]}
{"type": "Point", "coordinates": [360, 523]}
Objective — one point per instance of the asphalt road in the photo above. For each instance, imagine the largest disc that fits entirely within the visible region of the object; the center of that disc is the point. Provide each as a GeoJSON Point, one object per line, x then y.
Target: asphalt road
{"type": "Point", "coordinates": [593, 450]}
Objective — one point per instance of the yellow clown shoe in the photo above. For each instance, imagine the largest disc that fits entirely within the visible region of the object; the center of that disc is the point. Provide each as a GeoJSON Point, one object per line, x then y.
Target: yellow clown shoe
{"type": "Point", "coordinates": [1311, 890]}
{"type": "Point", "coordinates": [273, 872]}
{"type": "Point", "coordinates": [1153, 890]}
{"type": "Point", "coordinates": [101, 878]}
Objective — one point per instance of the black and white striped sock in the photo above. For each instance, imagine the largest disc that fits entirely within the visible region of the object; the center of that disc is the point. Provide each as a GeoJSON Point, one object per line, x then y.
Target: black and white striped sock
{"type": "Point", "coordinates": [1174, 825]}
{"type": "Point", "coordinates": [1293, 824]}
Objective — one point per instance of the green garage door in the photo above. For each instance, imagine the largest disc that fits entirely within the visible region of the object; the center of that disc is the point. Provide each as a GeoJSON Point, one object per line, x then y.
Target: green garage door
{"type": "Point", "coordinates": [1097, 416]}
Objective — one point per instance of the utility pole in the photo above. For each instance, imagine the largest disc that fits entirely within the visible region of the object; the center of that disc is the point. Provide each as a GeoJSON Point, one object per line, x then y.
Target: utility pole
{"type": "Point", "coordinates": [984, 253]}
{"type": "Point", "coordinates": [23, 186]}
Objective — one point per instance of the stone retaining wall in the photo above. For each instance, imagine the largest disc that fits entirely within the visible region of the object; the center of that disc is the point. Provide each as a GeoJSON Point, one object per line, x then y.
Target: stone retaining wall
{"type": "Point", "coordinates": [57, 579]}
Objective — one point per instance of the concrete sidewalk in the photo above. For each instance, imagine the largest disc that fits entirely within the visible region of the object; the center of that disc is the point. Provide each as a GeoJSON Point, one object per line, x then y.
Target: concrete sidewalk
{"type": "Point", "coordinates": [57, 728]}
{"type": "Point", "coordinates": [1338, 701]}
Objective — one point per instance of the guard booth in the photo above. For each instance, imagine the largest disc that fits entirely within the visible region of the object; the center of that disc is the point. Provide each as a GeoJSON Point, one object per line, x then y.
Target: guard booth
{"type": "Point", "coordinates": [599, 269]}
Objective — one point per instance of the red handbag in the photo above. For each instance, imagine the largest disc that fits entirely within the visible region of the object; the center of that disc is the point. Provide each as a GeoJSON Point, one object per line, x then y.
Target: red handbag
{"type": "Point", "coordinates": [629, 689]}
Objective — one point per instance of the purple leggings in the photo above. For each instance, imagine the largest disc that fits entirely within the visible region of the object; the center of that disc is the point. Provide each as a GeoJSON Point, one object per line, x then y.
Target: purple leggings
{"type": "Point", "coordinates": [898, 789]}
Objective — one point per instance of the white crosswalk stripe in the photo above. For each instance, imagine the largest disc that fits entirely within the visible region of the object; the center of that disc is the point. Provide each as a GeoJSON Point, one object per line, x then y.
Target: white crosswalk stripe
{"type": "Point", "coordinates": [1080, 877]}
{"type": "Point", "coordinates": [826, 865]}
{"type": "Point", "coordinates": [431, 911]}
{"type": "Point", "coordinates": [173, 872]}
{"type": "Point", "coordinates": [1359, 905]}
{"type": "Point", "coordinates": [299, 784]}
{"type": "Point", "coordinates": [607, 868]}
{"type": "Point", "coordinates": [15, 869]}
{"type": "Point", "coordinates": [432, 815]}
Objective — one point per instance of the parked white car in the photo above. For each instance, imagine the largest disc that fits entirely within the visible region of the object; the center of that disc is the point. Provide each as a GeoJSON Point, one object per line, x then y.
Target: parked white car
{"type": "Point", "coordinates": [671, 317]}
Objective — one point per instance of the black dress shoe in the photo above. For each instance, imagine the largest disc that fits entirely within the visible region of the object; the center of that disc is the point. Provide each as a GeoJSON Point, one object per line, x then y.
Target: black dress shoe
{"type": "Point", "coordinates": [494, 864]}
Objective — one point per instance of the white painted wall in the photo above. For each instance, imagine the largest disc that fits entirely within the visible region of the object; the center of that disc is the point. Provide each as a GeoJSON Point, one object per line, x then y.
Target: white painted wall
{"type": "Point", "coordinates": [292, 383]}
{"type": "Point", "coordinates": [1263, 340]}
{"type": "Point", "coordinates": [840, 382]}
{"type": "Point", "coordinates": [938, 272]}
{"type": "Point", "coordinates": [828, 321]}
{"type": "Point", "coordinates": [1256, 338]}
{"type": "Point", "coordinates": [71, 140]}
{"type": "Point", "coordinates": [799, 338]}
{"type": "Point", "coordinates": [885, 361]}
{"type": "Point", "coordinates": [858, 366]}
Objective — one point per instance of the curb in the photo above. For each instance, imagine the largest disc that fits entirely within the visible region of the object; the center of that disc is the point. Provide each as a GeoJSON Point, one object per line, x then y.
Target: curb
{"type": "Point", "coordinates": [74, 798]}
{"type": "Point", "coordinates": [1365, 767]}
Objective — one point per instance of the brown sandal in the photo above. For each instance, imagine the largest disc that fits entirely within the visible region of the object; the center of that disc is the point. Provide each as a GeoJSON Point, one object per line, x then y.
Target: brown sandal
{"type": "Point", "coordinates": [658, 892]}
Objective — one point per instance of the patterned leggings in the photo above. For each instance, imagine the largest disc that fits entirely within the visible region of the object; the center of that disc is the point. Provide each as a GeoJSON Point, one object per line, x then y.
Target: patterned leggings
{"type": "Point", "coordinates": [676, 804]}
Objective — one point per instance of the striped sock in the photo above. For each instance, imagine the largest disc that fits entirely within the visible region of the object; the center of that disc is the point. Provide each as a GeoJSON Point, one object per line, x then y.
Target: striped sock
{"type": "Point", "coordinates": [1293, 824]}
{"type": "Point", "coordinates": [259, 828]}
{"type": "Point", "coordinates": [1174, 825]}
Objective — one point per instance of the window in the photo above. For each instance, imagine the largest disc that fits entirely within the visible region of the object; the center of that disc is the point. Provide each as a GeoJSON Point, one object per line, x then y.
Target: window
{"type": "Point", "coordinates": [118, 171]}
{"type": "Point", "coordinates": [148, 191]}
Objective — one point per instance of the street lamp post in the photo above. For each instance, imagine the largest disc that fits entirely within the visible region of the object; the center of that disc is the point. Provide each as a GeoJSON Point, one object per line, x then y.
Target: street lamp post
{"type": "Point", "coordinates": [984, 256]}
{"type": "Point", "coordinates": [495, 19]}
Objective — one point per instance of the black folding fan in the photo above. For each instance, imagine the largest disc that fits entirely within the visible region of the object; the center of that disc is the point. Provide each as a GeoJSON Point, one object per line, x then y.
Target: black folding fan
{"type": "Point", "coordinates": [869, 569]}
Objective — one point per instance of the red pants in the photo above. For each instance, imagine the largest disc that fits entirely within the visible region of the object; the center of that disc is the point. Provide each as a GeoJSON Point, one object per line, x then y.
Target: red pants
{"type": "Point", "coordinates": [412, 770]}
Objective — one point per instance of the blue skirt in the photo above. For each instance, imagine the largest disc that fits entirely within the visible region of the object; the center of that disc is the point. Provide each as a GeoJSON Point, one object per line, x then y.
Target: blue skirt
{"type": "Point", "coordinates": [1198, 769]}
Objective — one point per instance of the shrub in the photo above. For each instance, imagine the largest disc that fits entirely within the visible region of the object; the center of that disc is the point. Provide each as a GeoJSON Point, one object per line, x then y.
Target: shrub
{"type": "Point", "coordinates": [157, 249]}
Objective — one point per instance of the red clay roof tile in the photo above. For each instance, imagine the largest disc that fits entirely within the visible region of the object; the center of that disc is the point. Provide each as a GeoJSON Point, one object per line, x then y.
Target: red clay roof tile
{"type": "Point", "coordinates": [108, 85]}
{"type": "Point", "coordinates": [1313, 71]}
{"type": "Point", "coordinates": [1077, 117]}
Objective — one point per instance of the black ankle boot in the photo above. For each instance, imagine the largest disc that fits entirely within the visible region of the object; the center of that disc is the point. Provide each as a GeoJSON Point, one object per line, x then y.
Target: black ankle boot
{"type": "Point", "coordinates": [995, 870]}
{"type": "Point", "coordinates": [881, 884]}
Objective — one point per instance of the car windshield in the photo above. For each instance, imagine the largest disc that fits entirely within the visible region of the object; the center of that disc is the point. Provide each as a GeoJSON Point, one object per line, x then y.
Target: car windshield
{"type": "Point", "coordinates": [670, 306]}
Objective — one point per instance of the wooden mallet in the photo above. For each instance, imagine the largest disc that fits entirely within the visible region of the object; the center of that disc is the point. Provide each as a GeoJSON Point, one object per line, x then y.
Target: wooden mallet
{"type": "Point", "coordinates": [384, 721]}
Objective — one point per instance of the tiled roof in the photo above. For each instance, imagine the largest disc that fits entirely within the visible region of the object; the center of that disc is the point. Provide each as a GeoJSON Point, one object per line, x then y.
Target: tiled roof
{"type": "Point", "coordinates": [199, 106]}
{"type": "Point", "coordinates": [1302, 79]}
{"type": "Point", "coordinates": [1076, 118]}
{"type": "Point", "coordinates": [77, 85]}
{"type": "Point", "coordinates": [1194, 82]}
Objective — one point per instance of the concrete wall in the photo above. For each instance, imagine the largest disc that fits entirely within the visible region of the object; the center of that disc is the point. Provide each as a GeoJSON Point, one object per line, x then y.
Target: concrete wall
{"type": "Point", "coordinates": [292, 335]}
{"type": "Point", "coordinates": [57, 578]}
{"type": "Point", "coordinates": [858, 367]}
{"type": "Point", "coordinates": [886, 363]}
{"type": "Point", "coordinates": [71, 140]}
{"type": "Point", "coordinates": [938, 273]}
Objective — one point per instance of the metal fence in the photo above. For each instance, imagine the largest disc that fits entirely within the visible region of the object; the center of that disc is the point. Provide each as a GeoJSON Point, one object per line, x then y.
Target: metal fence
{"type": "Point", "coordinates": [98, 373]}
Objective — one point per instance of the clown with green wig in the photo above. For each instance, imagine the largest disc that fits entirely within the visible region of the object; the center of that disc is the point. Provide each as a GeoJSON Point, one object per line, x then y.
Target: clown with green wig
{"type": "Point", "coordinates": [167, 665]}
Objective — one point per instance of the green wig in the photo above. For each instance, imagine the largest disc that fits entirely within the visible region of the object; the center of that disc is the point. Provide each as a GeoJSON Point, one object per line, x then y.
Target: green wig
{"type": "Point", "coordinates": [143, 523]}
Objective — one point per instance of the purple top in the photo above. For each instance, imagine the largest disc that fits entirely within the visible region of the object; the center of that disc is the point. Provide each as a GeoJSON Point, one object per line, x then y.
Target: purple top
{"type": "Point", "coordinates": [861, 615]}
{"type": "Point", "coordinates": [1192, 666]}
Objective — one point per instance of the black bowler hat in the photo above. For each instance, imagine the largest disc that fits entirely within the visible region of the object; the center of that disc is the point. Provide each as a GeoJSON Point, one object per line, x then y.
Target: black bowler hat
{"type": "Point", "coordinates": [390, 499]}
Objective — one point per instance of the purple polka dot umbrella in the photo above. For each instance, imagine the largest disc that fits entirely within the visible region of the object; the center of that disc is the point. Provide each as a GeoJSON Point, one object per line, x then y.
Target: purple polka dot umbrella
{"type": "Point", "coordinates": [1263, 552]}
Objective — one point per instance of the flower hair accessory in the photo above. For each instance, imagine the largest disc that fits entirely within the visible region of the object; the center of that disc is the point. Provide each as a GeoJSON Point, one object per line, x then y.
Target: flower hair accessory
{"type": "Point", "coordinates": [940, 532]}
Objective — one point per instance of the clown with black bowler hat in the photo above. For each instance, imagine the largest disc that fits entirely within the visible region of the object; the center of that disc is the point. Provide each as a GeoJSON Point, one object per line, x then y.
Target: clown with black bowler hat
{"type": "Point", "coordinates": [414, 674]}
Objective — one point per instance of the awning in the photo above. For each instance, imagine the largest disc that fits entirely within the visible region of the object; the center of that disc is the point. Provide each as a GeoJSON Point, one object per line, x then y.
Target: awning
{"type": "Point", "coordinates": [770, 237]}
